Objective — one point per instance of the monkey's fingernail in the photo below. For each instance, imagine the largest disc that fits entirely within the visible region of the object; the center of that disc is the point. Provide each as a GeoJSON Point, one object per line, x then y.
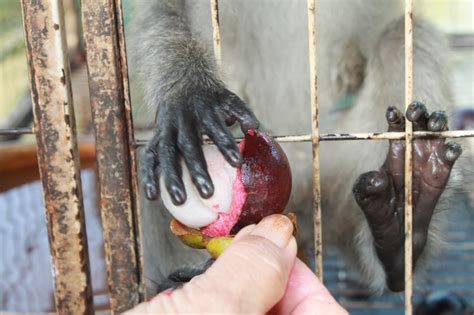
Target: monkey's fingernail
{"type": "Point", "coordinates": [452, 151]}
{"type": "Point", "coordinates": [393, 114]}
{"type": "Point", "coordinates": [415, 111]}
{"type": "Point", "coordinates": [206, 189]}
{"type": "Point", "coordinates": [204, 185]}
{"type": "Point", "coordinates": [277, 228]}
{"type": "Point", "coordinates": [178, 196]}
{"type": "Point", "coordinates": [151, 191]}
{"type": "Point", "coordinates": [438, 121]}
{"type": "Point", "coordinates": [235, 157]}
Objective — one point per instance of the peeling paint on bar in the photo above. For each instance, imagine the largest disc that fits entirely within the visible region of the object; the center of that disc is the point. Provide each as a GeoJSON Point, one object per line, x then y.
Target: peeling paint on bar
{"type": "Point", "coordinates": [315, 138]}
{"type": "Point", "coordinates": [58, 157]}
{"type": "Point", "coordinates": [106, 85]}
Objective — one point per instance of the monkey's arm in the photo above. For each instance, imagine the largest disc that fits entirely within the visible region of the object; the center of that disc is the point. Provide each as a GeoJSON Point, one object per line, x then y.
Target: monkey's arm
{"type": "Point", "coordinates": [180, 83]}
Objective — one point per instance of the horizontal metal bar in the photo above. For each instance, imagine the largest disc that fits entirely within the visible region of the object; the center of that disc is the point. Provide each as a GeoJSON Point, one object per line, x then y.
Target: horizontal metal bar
{"type": "Point", "coordinates": [16, 131]}
{"type": "Point", "coordinates": [397, 135]}
{"type": "Point", "coordinates": [358, 136]}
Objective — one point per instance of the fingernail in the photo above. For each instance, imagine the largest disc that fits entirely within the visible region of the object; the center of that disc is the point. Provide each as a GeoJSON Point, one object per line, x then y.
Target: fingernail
{"type": "Point", "coordinates": [453, 151]}
{"type": "Point", "coordinates": [277, 228]}
{"type": "Point", "coordinates": [177, 195]}
{"type": "Point", "coordinates": [206, 189]}
{"type": "Point", "coordinates": [392, 114]}
{"type": "Point", "coordinates": [235, 157]}
{"type": "Point", "coordinates": [151, 192]}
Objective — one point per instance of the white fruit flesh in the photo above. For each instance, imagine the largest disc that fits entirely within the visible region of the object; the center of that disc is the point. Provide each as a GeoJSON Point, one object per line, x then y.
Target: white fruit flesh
{"type": "Point", "coordinates": [197, 212]}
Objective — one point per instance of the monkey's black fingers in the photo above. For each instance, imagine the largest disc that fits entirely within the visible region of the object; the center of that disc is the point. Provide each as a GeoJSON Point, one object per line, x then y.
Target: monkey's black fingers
{"type": "Point", "coordinates": [149, 179]}
{"type": "Point", "coordinates": [395, 119]}
{"type": "Point", "coordinates": [450, 152]}
{"type": "Point", "coordinates": [170, 166]}
{"type": "Point", "coordinates": [150, 167]}
{"type": "Point", "coordinates": [418, 115]}
{"type": "Point", "coordinates": [189, 144]}
{"type": "Point", "coordinates": [438, 121]}
{"type": "Point", "coordinates": [214, 127]}
{"type": "Point", "coordinates": [236, 108]}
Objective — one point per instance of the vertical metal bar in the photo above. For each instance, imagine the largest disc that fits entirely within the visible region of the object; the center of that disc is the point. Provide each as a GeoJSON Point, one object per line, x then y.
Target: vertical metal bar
{"type": "Point", "coordinates": [106, 86]}
{"type": "Point", "coordinates": [132, 148]}
{"type": "Point", "coordinates": [318, 244]}
{"type": "Point", "coordinates": [58, 157]}
{"type": "Point", "coordinates": [408, 158]}
{"type": "Point", "coordinates": [216, 31]}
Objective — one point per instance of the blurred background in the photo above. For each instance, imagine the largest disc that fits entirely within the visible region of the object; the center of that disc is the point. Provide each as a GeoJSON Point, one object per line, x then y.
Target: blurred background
{"type": "Point", "coordinates": [25, 269]}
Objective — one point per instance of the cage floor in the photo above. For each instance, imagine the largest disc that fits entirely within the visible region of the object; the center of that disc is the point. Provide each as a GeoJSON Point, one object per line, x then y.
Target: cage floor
{"type": "Point", "coordinates": [452, 271]}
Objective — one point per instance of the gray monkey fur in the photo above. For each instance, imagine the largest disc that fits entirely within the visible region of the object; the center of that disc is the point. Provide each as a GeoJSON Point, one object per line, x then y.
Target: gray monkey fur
{"type": "Point", "coordinates": [265, 62]}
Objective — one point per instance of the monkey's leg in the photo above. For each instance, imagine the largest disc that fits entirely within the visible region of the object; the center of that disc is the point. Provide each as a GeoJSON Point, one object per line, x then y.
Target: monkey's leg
{"type": "Point", "coordinates": [380, 194]}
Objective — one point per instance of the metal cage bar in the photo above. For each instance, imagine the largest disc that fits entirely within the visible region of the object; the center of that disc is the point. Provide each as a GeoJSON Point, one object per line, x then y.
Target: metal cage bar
{"type": "Point", "coordinates": [408, 159]}
{"type": "Point", "coordinates": [108, 86]}
{"type": "Point", "coordinates": [318, 243]}
{"type": "Point", "coordinates": [16, 131]}
{"type": "Point", "coordinates": [216, 31]}
{"type": "Point", "coordinates": [132, 149]}
{"type": "Point", "coordinates": [358, 136]}
{"type": "Point", "coordinates": [58, 157]}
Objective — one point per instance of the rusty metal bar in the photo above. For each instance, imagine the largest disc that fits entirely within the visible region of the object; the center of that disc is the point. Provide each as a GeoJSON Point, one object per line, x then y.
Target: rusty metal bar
{"type": "Point", "coordinates": [132, 149]}
{"type": "Point", "coordinates": [105, 66]}
{"type": "Point", "coordinates": [318, 243]}
{"type": "Point", "coordinates": [216, 31]}
{"type": "Point", "coordinates": [17, 131]}
{"type": "Point", "coordinates": [58, 153]}
{"type": "Point", "coordinates": [408, 159]}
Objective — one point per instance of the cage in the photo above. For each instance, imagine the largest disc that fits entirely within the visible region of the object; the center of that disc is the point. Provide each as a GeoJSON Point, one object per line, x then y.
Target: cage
{"type": "Point", "coordinates": [115, 150]}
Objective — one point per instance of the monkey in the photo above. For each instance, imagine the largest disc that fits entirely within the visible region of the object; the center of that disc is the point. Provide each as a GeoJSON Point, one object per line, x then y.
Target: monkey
{"type": "Point", "coordinates": [265, 68]}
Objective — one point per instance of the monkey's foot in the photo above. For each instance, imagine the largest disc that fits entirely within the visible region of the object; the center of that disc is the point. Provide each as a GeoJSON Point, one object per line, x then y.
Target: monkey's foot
{"type": "Point", "coordinates": [380, 194]}
{"type": "Point", "coordinates": [183, 275]}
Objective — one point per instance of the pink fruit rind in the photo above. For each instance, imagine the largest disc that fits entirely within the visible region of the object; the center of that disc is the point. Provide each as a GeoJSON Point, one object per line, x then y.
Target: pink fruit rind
{"type": "Point", "coordinates": [262, 185]}
{"type": "Point", "coordinates": [266, 175]}
{"type": "Point", "coordinates": [226, 220]}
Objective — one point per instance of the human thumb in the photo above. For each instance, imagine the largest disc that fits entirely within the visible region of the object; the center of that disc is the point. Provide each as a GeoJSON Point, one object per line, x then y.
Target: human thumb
{"type": "Point", "coordinates": [249, 277]}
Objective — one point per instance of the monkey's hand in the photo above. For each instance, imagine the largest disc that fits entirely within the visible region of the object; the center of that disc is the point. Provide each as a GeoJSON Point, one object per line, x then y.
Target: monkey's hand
{"type": "Point", "coordinates": [380, 194]}
{"type": "Point", "coordinates": [187, 110]}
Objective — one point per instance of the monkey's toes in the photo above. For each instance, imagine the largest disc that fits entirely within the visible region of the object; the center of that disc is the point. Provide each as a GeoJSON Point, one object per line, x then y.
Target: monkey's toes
{"type": "Point", "coordinates": [450, 152]}
{"type": "Point", "coordinates": [418, 115]}
{"type": "Point", "coordinates": [438, 121]}
{"type": "Point", "coordinates": [395, 119]}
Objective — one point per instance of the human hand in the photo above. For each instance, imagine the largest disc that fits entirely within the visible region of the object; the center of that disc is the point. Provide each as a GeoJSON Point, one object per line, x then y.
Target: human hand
{"type": "Point", "coordinates": [257, 274]}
